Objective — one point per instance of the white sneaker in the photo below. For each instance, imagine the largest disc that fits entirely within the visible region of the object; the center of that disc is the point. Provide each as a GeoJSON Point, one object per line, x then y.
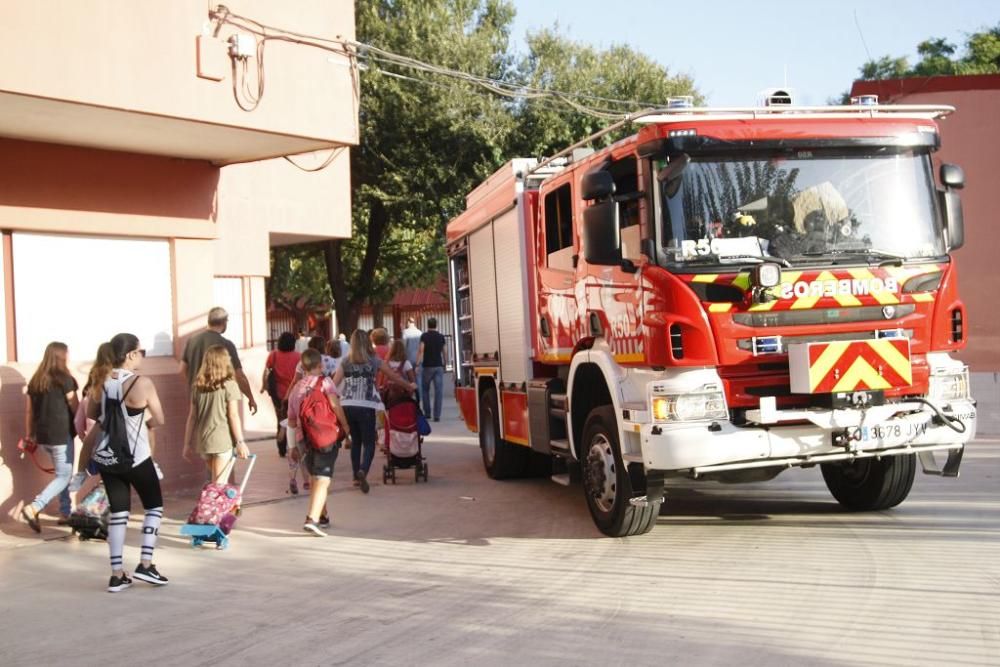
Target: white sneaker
{"type": "Point", "coordinates": [311, 526]}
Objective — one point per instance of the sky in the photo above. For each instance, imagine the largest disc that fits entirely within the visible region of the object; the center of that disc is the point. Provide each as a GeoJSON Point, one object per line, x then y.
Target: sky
{"type": "Point", "coordinates": [734, 49]}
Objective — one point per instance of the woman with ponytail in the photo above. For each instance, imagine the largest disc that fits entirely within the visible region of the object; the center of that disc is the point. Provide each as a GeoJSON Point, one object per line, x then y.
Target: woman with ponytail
{"type": "Point", "coordinates": [103, 364]}
{"type": "Point", "coordinates": [50, 406]}
{"type": "Point", "coordinates": [136, 397]}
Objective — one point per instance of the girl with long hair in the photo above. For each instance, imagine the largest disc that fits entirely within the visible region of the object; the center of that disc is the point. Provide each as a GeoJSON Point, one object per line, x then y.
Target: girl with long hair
{"type": "Point", "coordinates": [104, 362]}
{"type": "Point", "coordinates": [356, 379]}
{"type": "Point", "coordinates": [136, 397]}
{"type": "Point", "coordinates": [49, 409]}
{"type": "Point", "coordinates": [279, 376]}
{"type": "Point", "coordinates": [398, 362]}
{"type": "Point", "coordinates": [213, 425]}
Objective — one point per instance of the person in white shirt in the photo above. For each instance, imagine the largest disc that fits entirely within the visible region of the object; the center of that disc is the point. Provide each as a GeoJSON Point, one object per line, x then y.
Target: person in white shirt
{"type": "Point", "coordinates": [302, 342]}
{"type": "Point", "coordinates": [411, 339]}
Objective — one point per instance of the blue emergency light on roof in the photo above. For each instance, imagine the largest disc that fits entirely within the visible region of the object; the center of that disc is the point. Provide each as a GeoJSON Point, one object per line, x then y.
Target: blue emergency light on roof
{"type": "Point", "coordinates": [682, 102]}
{"type": "Point", "coordinates": [865, 100]}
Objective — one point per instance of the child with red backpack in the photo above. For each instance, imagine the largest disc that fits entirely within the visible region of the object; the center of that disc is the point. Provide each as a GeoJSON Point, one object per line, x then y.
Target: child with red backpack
{"type": "Point", "coordinates": [314, 412]}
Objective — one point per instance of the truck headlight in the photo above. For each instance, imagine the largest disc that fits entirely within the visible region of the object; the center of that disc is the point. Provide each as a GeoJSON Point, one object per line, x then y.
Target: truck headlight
{"type": "Point", "coordinates": [950, 385]}
{"type": "Point", "coordinates": [692, 406]}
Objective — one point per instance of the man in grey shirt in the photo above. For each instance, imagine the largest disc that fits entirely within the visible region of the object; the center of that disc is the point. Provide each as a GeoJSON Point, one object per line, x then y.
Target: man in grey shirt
{"type": "Point", "coordinates": [197, 345]}
{"type": "Point", "coordinates": [411, 339]}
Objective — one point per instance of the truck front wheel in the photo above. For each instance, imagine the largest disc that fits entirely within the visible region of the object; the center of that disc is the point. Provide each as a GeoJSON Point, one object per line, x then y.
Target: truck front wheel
{"type": "Point", "coordinates": [871, 484]}
{"type": "Point", "coordinates": [606, 481]}
{"type": "Point", "coordinates": [501, 459]}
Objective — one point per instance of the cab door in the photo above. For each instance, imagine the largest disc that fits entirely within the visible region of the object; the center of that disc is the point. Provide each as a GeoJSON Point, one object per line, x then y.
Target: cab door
{"type": "Point", "coordinates": [556, 253]}
{"type": "Point", "coordinates": [611, 298]}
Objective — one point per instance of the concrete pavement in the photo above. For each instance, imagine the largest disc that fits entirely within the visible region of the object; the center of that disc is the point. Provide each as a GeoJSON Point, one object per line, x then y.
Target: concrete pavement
{"type": "Point", "coordinates": [465, 570]}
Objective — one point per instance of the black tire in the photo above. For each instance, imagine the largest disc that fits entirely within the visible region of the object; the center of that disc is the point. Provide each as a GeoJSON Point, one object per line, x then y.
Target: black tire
{"type": "Point", "coordinates": [866, 485]}
{"type": "Point", "coordinates": [426, 468]}
{"type": "Point", "coordinates": [607, 497]}
{"type": "Point", "coordinates": [501, 459]}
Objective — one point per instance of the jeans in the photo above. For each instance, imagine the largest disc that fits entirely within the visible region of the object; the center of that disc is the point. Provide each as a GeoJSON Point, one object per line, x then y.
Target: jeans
{"type": "Point", "coordinates": [420, 381]}
{"type": "Point", "coordinates": [62, 461]}
{"type": "Point", "coordinates": [361, 422]}
{"type": "Point", "coordinates": [432, 374]}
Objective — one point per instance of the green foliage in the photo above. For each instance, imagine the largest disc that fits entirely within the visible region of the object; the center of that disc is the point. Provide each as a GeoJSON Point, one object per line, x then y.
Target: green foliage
{"type": "Point", "coordinates": [885, 67]}
{"type": "Point", "coordinates": [296, 271]}
{"type": "Point", "coordinates": [619, 73]}
{"type": "Point", "coordinates": [427, 140]}
{"type": "Point", "coordinates": [938, 57]}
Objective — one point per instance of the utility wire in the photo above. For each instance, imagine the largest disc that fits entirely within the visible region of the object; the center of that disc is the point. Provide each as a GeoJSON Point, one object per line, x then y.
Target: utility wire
{"type": "Point", "coordinates": [369, 53]}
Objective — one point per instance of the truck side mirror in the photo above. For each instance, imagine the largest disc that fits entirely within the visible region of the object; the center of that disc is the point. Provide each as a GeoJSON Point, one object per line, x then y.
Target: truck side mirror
{"type": "Point", "coordinates": [602, 243]}
{"type": "Point", "coordinates": [953, 178]}
{"type": "Point", "coordinates": [597, 185]}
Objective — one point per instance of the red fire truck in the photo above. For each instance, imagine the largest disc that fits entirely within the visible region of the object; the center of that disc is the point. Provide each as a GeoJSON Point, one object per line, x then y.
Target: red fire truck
{"type": "Point", "coordinates": [723, 295]}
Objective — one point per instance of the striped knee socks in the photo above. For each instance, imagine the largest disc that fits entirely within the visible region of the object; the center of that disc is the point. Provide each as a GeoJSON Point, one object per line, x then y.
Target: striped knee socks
{"type": "Point", "coordinates": [150, 531]}
{"type": "Point", "coordinates": [117, 524]}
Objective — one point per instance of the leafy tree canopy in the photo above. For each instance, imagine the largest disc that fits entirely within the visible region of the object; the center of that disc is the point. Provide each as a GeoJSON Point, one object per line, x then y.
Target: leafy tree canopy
{"type": "Point", "coordinates": [427, 139]}
{"type": "Point", "coordinates": [939, 57]}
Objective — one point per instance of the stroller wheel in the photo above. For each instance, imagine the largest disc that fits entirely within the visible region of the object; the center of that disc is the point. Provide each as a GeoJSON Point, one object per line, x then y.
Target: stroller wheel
{"type": "Point", "coordinates": [425, 472]}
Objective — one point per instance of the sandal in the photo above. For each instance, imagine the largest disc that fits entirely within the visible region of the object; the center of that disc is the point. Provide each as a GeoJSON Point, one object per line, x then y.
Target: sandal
{"type": "Point", "coordinates": [293, 487]}
{"type": "Point", "coordinates": [31, 518]}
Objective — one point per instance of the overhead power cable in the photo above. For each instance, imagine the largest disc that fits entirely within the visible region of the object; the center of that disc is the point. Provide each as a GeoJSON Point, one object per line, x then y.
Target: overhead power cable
{"type": "Point", "coordinates": [373, 55]}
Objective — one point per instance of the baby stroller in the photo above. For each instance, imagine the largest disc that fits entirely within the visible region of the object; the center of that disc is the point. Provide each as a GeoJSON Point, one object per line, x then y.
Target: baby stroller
{"type": "Point", "coordinates": [403, 440]}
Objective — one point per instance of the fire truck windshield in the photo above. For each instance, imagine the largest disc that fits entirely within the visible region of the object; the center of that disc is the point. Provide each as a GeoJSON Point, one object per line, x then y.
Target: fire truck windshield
{"type": "Point", "coordinates": [805, 207]}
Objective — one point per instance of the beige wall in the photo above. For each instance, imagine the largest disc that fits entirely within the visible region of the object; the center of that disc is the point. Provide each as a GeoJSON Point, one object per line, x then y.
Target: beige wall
{"type": "Point", "coordinates": [259, 199]}
{"type": "Point", "coordinates": [139, 59]}
{"type": "Point", "coordinates": [53, 188]}
{"type": "Point", "coordinates": [140, 56]}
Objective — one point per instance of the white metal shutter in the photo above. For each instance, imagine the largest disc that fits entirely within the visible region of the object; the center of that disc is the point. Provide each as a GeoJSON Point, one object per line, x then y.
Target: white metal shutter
{"type": "Point", "coordinates": [83, 290]}
{"type": "Point", "coordinates": [482, 282]}
{"type": "Point", "coordinates": [512, 298]}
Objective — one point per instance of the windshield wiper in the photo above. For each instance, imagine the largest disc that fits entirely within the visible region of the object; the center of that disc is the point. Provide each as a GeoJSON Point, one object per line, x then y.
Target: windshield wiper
{"type": "Point", "coordinates": [884, 257]}
{"type": "Point", "coordinates": [760, 259]}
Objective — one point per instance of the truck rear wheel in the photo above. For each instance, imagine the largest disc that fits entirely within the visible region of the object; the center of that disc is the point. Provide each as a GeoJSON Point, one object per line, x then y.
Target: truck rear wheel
{"type": "Point", "coordinates": [871, 484]}
{"type": "Point", "coordinates": [606, 481]}
{"type": "Point", "coordinates": [501, 459]}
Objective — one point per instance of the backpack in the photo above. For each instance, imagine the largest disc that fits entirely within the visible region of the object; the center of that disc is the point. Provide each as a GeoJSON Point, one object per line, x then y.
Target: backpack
{"type": "Point", "coordinates": [114, 454]}
{"type": "Point", "coordinates": [90, 518]}
{"type": "Point", "coordinates": [317, 419]}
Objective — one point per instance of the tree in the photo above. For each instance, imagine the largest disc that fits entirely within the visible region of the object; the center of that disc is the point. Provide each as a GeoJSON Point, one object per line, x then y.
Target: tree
{"type": "Point", "coordinates": [428, 139]}
{"type": "Point", "coordinates": [595, 78]}
{"type": "Point", "coordinates": [424, 142]}
{"type": "Point", "coordinates": [885, 67]}
{"type": "Point", "coordinates": [298, 282]}
{"type": "Point", "coordinates": [938, 58]}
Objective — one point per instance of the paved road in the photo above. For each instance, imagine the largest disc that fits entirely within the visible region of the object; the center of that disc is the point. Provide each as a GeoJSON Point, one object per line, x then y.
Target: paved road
{"type": "Point", "coordinates": [468, 571]}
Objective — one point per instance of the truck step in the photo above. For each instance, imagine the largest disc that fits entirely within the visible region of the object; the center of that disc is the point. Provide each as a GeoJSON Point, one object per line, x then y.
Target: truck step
{"type": "Point", "coordinates": [561, 478]}
{"type": "Point", "coordinates": [559, 447]}
{"type": "Point", "coordinates": [558, 401]}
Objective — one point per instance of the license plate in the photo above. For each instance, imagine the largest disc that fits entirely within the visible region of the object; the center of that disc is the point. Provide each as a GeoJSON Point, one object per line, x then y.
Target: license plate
{"type": "Point", "coordinates": [894, 432]}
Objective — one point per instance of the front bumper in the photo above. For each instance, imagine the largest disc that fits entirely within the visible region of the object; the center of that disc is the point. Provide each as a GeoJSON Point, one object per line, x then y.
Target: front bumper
{"type": "Point", "coordinates": [788, 438]}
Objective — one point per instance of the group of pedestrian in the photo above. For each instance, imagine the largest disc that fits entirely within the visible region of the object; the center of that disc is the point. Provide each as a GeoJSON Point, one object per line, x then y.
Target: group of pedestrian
{"type": "Point", "coordinates": [120, 447]}
{"type": "Point", "coordinates": [119, 411]}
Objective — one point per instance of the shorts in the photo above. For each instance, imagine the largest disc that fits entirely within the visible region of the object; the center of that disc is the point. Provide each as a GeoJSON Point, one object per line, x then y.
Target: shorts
{"type": "Point", "coordinates": [319, 462]}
